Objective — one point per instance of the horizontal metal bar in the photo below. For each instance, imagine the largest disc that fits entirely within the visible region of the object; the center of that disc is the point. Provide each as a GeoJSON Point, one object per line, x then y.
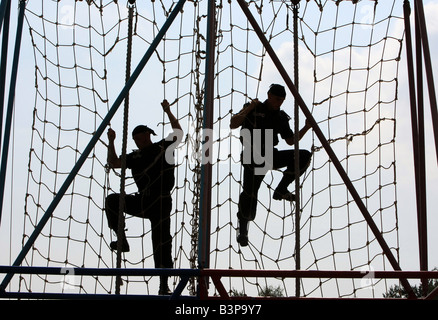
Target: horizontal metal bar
{"type": "Point", "coordinates": [99, 271]}
{"type": "Point", "coordinates": [219, 272]}
{"type": "Point", "coordinates": [319, 274]}
{"type": "Point", "coordinates": [185, 275]}
{"type": "Point", "coordinates": [87, 296]}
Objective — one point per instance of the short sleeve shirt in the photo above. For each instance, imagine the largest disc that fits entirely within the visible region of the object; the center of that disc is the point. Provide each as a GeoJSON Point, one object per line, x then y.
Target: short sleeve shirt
{"type": "Point", "coordinates": [151, 171]}
{"type": "Point", "coordinates": [263, 118]}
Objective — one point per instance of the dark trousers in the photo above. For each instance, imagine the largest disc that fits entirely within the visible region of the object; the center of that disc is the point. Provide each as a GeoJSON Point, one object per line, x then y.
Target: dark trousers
{"type": "Point", "coordinates": [155, 208]}
{"type": "Point", "coordinates": [252, 181]}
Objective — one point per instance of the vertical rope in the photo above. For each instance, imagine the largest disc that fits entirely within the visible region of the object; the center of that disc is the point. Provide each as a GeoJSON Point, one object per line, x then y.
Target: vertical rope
{"type": "Point", "coordinates": [333, 234]}
{"type": "Point", "coordinates": [296, 6]}
{"type": "Point", "coordinates": [121, 225]}
{"type": "Point", "coordinates": [196, 179]}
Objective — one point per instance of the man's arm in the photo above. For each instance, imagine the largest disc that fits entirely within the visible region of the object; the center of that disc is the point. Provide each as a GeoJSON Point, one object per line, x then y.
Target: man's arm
{"type": "Point", "coordinates": [291, 141]}
{"type": "Point", "coordinates": [112, 158]}
{"type": "Point", "coordinates": [173, 120]}
{"type": "Point", "coordinates": [238, 119]}
{"type": "Point", "coordinates": [177, 135]}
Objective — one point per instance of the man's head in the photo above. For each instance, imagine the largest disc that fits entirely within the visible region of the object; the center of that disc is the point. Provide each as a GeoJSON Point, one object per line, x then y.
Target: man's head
{"type": "Point", "coordinates": [142, 136]}
{"type": "Point", "coordinates": [276, 96]}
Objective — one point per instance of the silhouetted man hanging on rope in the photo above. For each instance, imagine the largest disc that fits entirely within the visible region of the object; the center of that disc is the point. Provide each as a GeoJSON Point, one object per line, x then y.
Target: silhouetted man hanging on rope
{"type": "Point", "coordinates": [152, 167]}
{"type": "Point", "coordinates": [261, 123]}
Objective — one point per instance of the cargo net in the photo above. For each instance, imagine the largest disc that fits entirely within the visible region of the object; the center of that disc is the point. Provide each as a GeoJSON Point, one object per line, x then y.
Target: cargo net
{"type": "Point", "coordinates": [348, 67]}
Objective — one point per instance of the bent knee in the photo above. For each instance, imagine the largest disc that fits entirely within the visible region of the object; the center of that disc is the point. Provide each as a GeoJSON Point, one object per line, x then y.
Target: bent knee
{"type": "Point", "coordinates": [112, 200]}
{"type": "Point", "coordinates": [305, 156]}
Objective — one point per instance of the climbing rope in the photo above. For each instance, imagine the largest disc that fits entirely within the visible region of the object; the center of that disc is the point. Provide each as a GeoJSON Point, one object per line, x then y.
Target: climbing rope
{"type": "Point", "coordinates": [121, 226]}
{"type": "Point", "coordinates": [350, 83]}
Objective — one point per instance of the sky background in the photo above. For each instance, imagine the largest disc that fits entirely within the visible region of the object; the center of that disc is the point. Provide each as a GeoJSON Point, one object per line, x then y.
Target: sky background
{"type": "Point", "coordinates": [11, 224]}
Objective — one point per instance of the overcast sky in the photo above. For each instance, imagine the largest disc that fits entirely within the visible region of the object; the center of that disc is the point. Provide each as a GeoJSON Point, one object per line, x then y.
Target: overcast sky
{"type": "Point", "coordinates": [24, 104]}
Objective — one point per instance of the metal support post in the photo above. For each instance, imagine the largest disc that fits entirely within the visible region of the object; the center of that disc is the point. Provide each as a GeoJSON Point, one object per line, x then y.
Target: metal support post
{"type": "Point", "coordinates": [414, 122]}
{"type": "Point", "coordinates": [416, 88]}
{"type": "Point", "coordinates": [296, 5]}
{"type": "Point", "coordinates": [207, 150]}
{"type": "Point", "coordinates": [10, 109]}
{"type": "Point", "coordinates": [122, 197]}
{"type": "Point", "coordinates": [417, 112]}
{"type": "Point", "coordinates": [421, 160]}
{"type": "Point", "coordinates": [428, 68]}
{"type": "Point", "coordinates": [4, 62]}
{"type": "Point", "coordinates": [3, 13]}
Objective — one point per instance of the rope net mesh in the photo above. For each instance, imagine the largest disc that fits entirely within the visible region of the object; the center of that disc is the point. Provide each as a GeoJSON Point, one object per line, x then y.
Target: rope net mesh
{"type": "Point", "coordinates": [348, 63]}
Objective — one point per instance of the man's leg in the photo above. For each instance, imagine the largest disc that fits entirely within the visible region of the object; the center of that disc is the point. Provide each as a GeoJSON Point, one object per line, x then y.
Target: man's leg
{"type": "Point", "coordinates": [132, 206]}
{"type": "Point", "coordinates": [159, 215]}
{"type": "Point", "coordinates": [286, 158]}
{"type": "Point", "coordinates": [248, 202]}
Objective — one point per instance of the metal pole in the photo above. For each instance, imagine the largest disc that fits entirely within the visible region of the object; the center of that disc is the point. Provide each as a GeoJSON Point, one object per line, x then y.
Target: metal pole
{"type": "Point", "coordinates": [416, 128]}
{"type": "Point", "coordinates": [94, 140]}
{"type": "Point", "coordinates": [10, 109]}
{"type": "Point", "coordinates": [422, 216]}
{"type": "Point", "coordinates": [3, 11]}
{"type": "Point", "coordinates": [326, 145]}
{"type": "Point", "coordinates": [429, 69]}
{"type": "Point", "coordinates": [206, 170]}
{"type": "Point", "coordinates": [4, 61]}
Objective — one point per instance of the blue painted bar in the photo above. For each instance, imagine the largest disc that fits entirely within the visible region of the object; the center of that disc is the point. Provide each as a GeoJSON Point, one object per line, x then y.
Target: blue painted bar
{"type": "Point", "coordinates": [3, 11]}
{"type": "Point", "coordinates": [4, 23]}
{"type": "Point", "coordinates": [184, 274]}
{"type": "Point", "coordinates": [87, 296]}
{"type": "Point", "coordinates": [101, 271]}
{"type": "Point", "coordinates": [10, 109]}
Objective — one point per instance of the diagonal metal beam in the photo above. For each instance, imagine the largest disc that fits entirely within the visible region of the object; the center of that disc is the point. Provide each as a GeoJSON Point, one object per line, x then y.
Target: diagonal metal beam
{"type": "Point", "coordinates": [11, 97]}
{"type": "Point", "coordinates": [325, 143]}
{"type": "Point", "coordinates": [4, 63]}
{"type": "Point", "coordinates": [94, 140]}
{"type": "Point", "coordinates": [417, 128]}
{"type": "Point", "coordinates": [3, 9]}
{"type": "Point", "coordinates": [423, 54]}
{"type": "Point", "coordinates": [429, 69]}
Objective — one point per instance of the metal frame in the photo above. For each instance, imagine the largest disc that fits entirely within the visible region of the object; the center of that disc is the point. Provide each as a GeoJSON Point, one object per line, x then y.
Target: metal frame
{"type": "Point", "coordinates": [216, 276]}
{"type": "Point", "coordinates": [184, 274]}
{"type": "Point", "coordinates": [416, 92]}
{"type": "Point", "coordinates": [204, 275]}
{"type": "Point", "coordinates": [204, 246]}
{"type": "Point", "coordinates": [5, 8]}
{"type": "Point", "coordinates": [355, 195]}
